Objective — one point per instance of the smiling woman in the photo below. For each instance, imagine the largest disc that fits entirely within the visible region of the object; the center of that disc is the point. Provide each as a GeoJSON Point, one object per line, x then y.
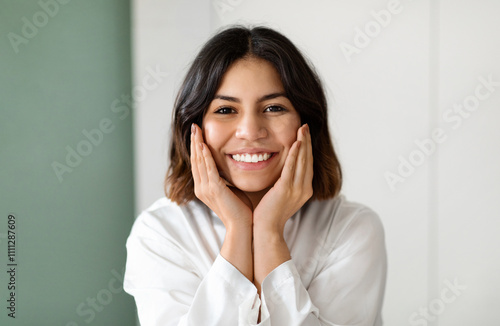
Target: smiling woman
{"type": "Point", "coordinates": [250, 119]}
{"type": "Point", "coordinates": [253, 229]}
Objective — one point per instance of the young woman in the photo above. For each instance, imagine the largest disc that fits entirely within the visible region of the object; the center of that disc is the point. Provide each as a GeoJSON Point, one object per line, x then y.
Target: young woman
{"type": "Point", "coordinates": [253, 230]}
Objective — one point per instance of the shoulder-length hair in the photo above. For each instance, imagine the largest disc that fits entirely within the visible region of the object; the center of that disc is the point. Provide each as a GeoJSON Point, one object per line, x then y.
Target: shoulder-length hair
{"type": "Point", "coordinates": [302, 87]}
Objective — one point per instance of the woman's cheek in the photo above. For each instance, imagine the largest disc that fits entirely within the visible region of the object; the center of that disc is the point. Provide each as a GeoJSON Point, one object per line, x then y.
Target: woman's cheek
{"type": "Point", "coordinates": [214, 140]}
{"type": "Point", "coordinates": [210, 134]}
{"type": "Point", "coordinates": [289, 132]}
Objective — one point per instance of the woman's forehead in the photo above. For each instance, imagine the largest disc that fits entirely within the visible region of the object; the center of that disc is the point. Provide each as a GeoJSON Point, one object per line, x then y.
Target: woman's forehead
{"type": "Point", "coordinates": [255, 78]}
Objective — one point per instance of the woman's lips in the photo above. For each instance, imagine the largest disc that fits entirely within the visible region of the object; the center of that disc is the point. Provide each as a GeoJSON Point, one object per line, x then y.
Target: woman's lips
{"type": "Point", "coordinates": [247, 161]}
{"type": "Point", "coordinates": [251, 158]}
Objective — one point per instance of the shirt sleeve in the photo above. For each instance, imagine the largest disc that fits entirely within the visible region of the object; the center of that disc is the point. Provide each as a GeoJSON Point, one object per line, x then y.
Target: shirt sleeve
{"type": "Point", "coordinates": [169, 290]}
{"type": "Point", "coordinates": [347, 289]}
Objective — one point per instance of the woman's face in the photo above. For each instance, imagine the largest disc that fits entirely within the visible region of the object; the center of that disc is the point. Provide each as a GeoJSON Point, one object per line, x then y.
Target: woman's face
{"type": "Point", "coordinates": [250, 125]}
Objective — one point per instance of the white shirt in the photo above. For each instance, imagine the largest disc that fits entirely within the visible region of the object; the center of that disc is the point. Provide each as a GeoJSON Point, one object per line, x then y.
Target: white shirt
{"type": "Point", "coordinates": [336, 275]}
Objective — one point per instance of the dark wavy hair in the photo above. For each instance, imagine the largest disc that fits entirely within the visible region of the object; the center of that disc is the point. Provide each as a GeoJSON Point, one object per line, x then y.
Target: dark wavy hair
{"type": "Point", "coordinates": [302, 87]}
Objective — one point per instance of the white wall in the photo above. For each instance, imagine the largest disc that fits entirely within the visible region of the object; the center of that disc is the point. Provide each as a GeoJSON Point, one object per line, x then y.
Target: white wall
{"type": "Point", "coordinates": [166, 35]}
{"type": "Point", "coordinates": [385, 100]}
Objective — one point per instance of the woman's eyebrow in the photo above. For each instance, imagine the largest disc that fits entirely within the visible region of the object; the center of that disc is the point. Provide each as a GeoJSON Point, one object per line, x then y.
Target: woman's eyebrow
{"type": "Point", "coordinates": [271, 96]}
{"type": "Point", "coordinates": [227, 98]}
{"type": "Point", "coordinates": [261, 99]}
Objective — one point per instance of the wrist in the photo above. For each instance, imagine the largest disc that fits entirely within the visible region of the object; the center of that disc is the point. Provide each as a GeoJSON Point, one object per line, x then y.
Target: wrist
{"type": "Point", "coordinates": [237, 249]}
{"type": "Point", "coordinates": [268, 234]}
{"type": "Point", "coordinates": [268, 227]}
{"type": "Point", "coordinates": [238, 228]}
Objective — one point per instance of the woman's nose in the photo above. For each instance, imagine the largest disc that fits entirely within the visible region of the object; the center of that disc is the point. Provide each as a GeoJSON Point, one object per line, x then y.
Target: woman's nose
{"type": "Point", "coordinates": [251, 127]}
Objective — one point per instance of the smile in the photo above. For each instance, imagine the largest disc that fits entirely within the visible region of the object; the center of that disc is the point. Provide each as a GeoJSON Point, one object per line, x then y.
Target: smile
{"type": "Point", "coordinates": [252, 158]}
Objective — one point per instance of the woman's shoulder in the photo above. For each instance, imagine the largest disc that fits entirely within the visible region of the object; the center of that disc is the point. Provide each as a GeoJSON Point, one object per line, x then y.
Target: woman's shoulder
{"type": "Point", "coordinates": [165, 218]}
{"type": "Point", "coordinates": [160, 211]}
{"type": "Point", "coordinates": [339, 216]}
{"type": "Point", "coordinates": [165, 208]}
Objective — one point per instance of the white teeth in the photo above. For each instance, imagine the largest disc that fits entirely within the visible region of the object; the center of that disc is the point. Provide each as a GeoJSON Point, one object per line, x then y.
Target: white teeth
{"type": "Point", "coordinates": [254, 158]}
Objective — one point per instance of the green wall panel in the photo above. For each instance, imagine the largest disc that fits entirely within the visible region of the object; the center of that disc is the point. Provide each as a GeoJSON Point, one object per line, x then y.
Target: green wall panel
{"type": "Point", "coordinates": [62, 66]}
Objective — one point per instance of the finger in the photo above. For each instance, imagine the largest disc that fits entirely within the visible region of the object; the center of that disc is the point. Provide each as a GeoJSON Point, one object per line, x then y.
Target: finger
{"type": "Point", "coordinates": [302, 158]}
{"type": "Point", "coordinates": [310, 158]}
{"type": "Point", "coordinates": [288, 172]}
{"type": "Point", "coordinates": [200, 160]}
{"type": "Point", "coordinates": [210, 166]}
{"type": "Point", "coordinates": [212, 173]}
{"type": "Point", "coordinates": [194, 164]}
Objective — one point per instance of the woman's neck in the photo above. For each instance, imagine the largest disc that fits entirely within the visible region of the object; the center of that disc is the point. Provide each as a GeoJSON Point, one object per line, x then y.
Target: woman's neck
{"type": "Point", "coordinates": [255, 197]}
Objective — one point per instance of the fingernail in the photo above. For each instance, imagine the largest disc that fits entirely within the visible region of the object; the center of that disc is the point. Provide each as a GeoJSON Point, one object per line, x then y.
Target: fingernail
{"type": "Point", "coordinates": [306, 129]}
{"type": "Point", "coordinates": [193, 129]}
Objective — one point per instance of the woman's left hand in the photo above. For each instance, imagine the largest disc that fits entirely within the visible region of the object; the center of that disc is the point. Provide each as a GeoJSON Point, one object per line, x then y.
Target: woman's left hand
{"type": "Point", "coordinates": [292, 190]}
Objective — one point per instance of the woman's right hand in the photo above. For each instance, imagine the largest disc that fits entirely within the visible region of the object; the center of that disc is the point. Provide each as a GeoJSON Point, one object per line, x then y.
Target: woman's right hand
{"type": "Point", "coordinates": [212, 189]}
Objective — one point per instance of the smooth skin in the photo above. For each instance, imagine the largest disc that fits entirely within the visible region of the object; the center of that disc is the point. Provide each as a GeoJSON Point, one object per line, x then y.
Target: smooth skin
{"type": "Point", "coordinates": [250, 113]}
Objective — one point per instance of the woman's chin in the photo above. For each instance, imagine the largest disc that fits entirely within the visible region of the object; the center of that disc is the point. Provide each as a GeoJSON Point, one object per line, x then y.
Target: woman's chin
{"type": "Point", "coordinates": [251, 185]}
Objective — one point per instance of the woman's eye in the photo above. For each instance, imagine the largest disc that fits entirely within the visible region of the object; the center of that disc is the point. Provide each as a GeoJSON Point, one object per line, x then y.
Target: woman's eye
{"type": "Point", "coordinates": [274, 108]}
{"type": "Point", "coordinates": [224, 110]}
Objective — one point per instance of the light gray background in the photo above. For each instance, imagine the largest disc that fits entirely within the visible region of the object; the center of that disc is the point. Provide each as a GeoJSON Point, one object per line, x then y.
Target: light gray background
{"type": "Point", "coordinates": [442, 221]}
